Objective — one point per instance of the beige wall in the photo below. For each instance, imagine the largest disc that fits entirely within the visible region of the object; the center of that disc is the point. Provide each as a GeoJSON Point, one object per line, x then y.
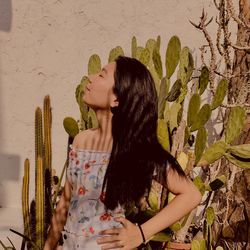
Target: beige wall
{"type": "Point", "coordinates": [44, 49]}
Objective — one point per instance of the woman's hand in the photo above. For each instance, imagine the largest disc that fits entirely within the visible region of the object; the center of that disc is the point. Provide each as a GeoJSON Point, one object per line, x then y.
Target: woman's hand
{"type": "Point", "coordinates": [128, 237]}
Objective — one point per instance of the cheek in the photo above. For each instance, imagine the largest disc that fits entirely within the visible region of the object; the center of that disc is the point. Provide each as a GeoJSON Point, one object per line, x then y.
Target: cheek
{"type": "Point", "coordinates": [98, 97]}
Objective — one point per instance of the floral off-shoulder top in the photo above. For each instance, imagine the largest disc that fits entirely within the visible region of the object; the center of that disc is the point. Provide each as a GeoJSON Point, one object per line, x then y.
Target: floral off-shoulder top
{"type": "Point", "coordinates": [87, 215]}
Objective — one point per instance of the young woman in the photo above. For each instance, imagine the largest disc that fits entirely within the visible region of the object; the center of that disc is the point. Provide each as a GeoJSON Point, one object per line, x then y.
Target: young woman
{"type": "Point", "coordinates": [114, 164]}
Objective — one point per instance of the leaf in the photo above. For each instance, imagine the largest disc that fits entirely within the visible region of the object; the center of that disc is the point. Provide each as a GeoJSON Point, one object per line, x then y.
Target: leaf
{"type": "Point", "coordinates": [236, 162]}
{"type": "Point", "coordinates": [242, 151]}
{"type": "Point", "coordinates": [235, 123]}
{"type": "Point", "coordinates": [176, 226]}
{"type": "Point", "coordinates": [203, 79]}
{"type": "Point", "coordinates": [162, 134]}
{"type": "Point", "coordinates": [71, 127]}
{"type": "Point", "coordinates": [210, 215]}
{"type": "Point", "coordinates": [213, 153]}
{"type": "Point", "coordinates": [200, 143]}
{"type": "Point", "coordinates": [220, 93]}
{"type": "Point", "coordinates": [172, 55]}
{"type": "Point", "coordinates": [202, 117]}
{"type": "Point", "coordinates": [114, 53]}
{"type": "Point", "coordinates": [193, 108]}
{"type": "Point", "coordinates": [175, 91]}
{"type": "Point", "coordinates": [157, 62]}
{"type": "Point", "coordinates": [94, 65]}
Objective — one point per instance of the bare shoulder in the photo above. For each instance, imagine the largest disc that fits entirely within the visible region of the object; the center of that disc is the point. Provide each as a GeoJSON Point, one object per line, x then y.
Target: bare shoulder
{"type": "Point", "coordinates": [83, 136]}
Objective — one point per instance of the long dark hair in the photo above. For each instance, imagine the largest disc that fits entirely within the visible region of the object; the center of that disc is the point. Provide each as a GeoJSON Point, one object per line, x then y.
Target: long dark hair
{"type": "Point", "coordinates": [136, 151]}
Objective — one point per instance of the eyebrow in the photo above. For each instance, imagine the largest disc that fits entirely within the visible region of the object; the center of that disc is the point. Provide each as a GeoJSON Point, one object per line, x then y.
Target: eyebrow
{"type": "Point", "coordinates": [103, 69]}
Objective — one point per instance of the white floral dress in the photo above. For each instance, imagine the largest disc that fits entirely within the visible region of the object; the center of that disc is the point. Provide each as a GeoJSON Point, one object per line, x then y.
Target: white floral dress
{"type": "Point", "coordinates": [87, 215]}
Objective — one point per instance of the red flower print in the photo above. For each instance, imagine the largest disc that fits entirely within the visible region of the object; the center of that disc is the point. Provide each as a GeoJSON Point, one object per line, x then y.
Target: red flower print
{"type": "Point", "coordinates": [86, 166]}
{"type": "Point", "coordinates": [102, 196]}
{"type": "Point", "coordinates": [91, 229]}
{"type": "Point", "coordinates": [105, 216]}
{"type": "Point", "coordinates": [82, 191]}
{"type": "Point", "coordinates": [77, 162]}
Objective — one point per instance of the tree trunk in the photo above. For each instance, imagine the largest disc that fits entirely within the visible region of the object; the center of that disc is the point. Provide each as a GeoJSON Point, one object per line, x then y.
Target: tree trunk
{"type": "Point", "coordinates": [233, 224]}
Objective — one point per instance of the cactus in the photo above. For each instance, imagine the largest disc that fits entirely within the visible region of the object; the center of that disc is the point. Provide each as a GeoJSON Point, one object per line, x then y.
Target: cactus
{"type": "Point", "coordinates": [193, 108]}
{"type": "Point", "coordinates": [47, 133]}
{"type": "Point", "coordinates": [164, 88]}
{"type": "Point", "coordinates": [114, 53]}
{"type": "Point", "coordinates": [40, 197]}
{"type": "Point", "coordinates": [203, 80]}
{"type": "Point", "coordinates": [25, 198]}
{"type": "Point", "coordinates": [157, 62]}
{"type": "Point", "coordinates": [202, 117]}
{"type": "Point", "coordinates": [175, 91]}
{"type": "Point", "coordinates": [179, 60]}
{"type": "Point", "coordinates": [172, 55]}
{"type": "Point", "coordinates": [186, 66]}
{"type": "Point", "coordinates": [200, 143]}
{"type": "Point", "coordinates": [133, 47]}
{"type": "Point", "coordinates": [38, 216]}
{"type": "Point", "coordinates": [150, 45]}
{"type": "Point", "coordinates": [162, 134]}
{"type": "Point", "coordinates": [145, 56]}
{"type": "Point", "coordinates": [242, 151]}
{"type": "Point", "coordinates": [94, 65]}
{"type": "Point", "coordinates": [213, 153]}
{"type": "Point", "coordinates": [235, 123]}
{"type": "Point", "coordinates": [220, 93]}
{"type": "Point", "coordinates": [71, 126]}
{"type": "Point", "coordinates": [238, 162]}
{"type": "Point", "coordinates": [173, 115]}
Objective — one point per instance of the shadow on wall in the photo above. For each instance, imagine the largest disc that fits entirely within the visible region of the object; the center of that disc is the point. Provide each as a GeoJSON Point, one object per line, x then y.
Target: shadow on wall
{"type": "Point", "coordinates": [9, 164]}
{"type": "Point", "coordinates": [5, 15]}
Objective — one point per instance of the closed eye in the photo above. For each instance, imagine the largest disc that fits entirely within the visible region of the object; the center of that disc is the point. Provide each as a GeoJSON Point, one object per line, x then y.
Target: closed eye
{"type": "Point", "coordinates": [100, 75]}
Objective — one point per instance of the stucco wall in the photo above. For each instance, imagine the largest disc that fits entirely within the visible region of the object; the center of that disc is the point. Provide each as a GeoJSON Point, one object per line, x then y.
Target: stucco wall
{"type": "Point", "coordinates": [44, 49]}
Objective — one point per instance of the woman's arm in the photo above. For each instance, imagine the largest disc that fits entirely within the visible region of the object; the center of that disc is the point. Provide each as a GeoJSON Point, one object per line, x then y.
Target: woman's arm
{"type": "Point", "coordinates": [59, 218]}
{"type": "Point", "coordinates": [187, 198]}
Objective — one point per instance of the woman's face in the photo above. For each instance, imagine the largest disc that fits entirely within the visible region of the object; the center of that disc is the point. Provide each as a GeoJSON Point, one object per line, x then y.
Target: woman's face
{"type": "Point", "coordinates": [98, 93]}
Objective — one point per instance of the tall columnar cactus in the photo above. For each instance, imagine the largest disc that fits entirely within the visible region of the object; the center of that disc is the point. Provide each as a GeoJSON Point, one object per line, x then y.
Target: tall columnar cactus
{"type": "Point", "coordinates": [47, 133]}
{"type": "Point", "coordinates": [37, 218]}
{"type": "Point", "coordinates": [25, 198]}
{"type": "Point", "coordinates": [40, 200]}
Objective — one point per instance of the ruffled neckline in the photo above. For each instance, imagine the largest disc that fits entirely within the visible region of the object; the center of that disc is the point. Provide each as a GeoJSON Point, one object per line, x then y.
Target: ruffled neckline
{"type": "Point", "coordinates": [87, 150]}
